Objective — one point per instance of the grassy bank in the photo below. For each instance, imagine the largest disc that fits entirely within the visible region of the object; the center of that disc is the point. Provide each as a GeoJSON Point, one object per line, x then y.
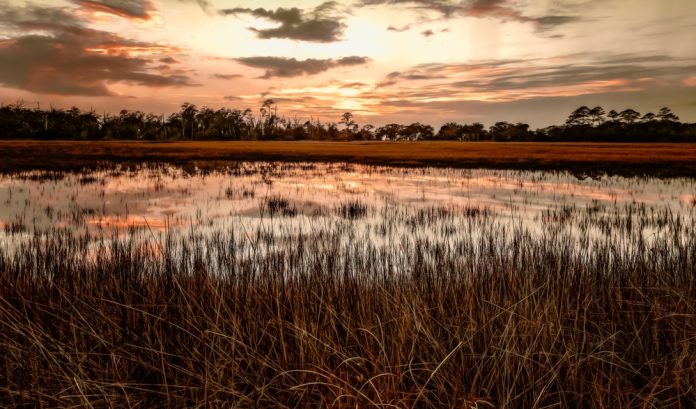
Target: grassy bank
{"type": "Point", "coordinates": [624, 159]}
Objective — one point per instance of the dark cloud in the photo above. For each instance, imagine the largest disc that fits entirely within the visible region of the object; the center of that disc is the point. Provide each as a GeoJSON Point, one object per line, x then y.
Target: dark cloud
{"type": "Point", "coordinates": [232, 98]}
{"type": "Point", "coordinates": [136, 9]}
{"type": "Point", "coordinates": [63, 66]}
{"type": "Point", "coordinates": [516, 79]}
{"type": "Point", "coordinates": [536, 90]}
{"type": "Point", "coordinates": [320, 24]}
{"type": "Point", "coordinates": [538, 112]}
{"type": "Point", "coordinates": [502, 9]}
{"type": "Point", "coordinates": [31, 17]}
{"type": "Point", "coordinates": [386, 83]}
{"type": "Point", "coordinates": [445, 7]}
{"type": "Point", "coordinates": [428, 33]}
{"type": "Point", "coordinates": [623, 71]}
{"type": "Point", "coordinates": [554, 20]}
{"type": "Point", "coordinates": [399, 29]}
{"type": "Point", "coordinates": [353, 85]}
{"type": "Point", "coordinates": [169, 60]}
{"type": "Point", "coordinates": [68, 58]}
{"type": "Point", "coordinates": [204, 4]}
{"type": "Point", "coordinates": [139, 9]}
{"type": "Point", "coordinates": [549, 22]}
{"type": "Point", "coordinates": [413, 74]}
{"type": "Point", "coordinates": [291, 67]}
{"type": "Point", "coordinates": [226, 76]}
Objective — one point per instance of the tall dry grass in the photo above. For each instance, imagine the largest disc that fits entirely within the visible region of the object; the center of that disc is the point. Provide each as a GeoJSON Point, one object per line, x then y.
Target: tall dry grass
{"type": "Point", "coordinates": [496, 316]}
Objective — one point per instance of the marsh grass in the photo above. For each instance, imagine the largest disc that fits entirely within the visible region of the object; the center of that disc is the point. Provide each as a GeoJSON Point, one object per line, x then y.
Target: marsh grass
{"type": "Point", "coordinates": [466, 310]}
{"type": "Point", "coordinates": [586, 159]}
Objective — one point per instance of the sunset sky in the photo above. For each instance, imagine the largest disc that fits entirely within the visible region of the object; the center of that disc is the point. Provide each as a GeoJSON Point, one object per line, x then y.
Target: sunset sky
{"type": "Point", "coordinates": [385, 60]}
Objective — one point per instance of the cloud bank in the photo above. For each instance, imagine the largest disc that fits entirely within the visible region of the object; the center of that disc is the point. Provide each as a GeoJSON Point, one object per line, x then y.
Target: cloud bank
{"type": "Point", "coordinates": [320, 24]}
{"type": "Point", "coordinates": [291, 67]}
{"type": "Point", "coordinates": [52, 51]}
{"type": "Point", "coordinates": [500, 9]}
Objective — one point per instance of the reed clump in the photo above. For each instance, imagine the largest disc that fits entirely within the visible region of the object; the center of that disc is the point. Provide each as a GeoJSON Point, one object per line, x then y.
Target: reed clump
{"type": "Point", "coordinates": [281, 206]}
{"type": "Point", "coordinates": [353, 209]}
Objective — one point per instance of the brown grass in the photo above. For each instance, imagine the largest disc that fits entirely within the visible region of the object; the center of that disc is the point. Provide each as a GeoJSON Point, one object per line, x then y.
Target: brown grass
{"type": "Point", "coordinates": [658, 159]}
{"type": "Point", "coordinates": [511, 320]}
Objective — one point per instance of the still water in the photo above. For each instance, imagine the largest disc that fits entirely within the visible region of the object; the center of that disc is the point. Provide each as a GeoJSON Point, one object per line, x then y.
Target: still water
{"type": "Point", "coordinates": [286, 198]}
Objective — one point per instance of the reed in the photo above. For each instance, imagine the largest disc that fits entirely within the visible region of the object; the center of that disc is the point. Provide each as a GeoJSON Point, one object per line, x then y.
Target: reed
{"type": "Point", "coordinates": [466, 310]}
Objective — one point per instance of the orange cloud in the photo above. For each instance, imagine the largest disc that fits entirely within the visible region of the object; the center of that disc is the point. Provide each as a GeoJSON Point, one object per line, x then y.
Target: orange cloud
{"type": "Point", "coordinates": [72, 59]}
{"type": "Point", "coordinates": [136, 9]}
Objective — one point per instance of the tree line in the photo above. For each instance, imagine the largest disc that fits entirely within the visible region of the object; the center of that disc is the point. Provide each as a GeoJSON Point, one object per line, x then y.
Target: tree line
{"type": "Point", "coordinates": [190, 122]}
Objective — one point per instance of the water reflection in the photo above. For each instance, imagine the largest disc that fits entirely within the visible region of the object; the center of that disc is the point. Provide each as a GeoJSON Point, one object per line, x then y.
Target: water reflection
{"type": "Point", "coordinates": [291, 197]}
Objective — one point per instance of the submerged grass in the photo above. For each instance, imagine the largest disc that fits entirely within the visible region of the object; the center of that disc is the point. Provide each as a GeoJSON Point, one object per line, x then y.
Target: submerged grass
{"type": "Point", "coordinates": [500, 317]}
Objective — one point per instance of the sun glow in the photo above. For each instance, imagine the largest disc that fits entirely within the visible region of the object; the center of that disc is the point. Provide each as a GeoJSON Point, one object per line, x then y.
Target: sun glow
{"type": "Point", "coordinates": [409, 60]}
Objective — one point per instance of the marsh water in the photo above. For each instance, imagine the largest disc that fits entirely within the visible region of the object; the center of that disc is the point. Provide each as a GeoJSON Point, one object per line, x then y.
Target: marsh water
{"type": "Point", "coordinates": [382, 205]}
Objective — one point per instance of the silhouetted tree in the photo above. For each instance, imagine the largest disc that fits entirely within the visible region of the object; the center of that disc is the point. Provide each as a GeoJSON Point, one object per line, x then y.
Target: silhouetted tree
{"type": "Point", "coordinates": [580, 116]}
{"type": "Point", "coordinates": [366, 133]}
{"type": "Point", "coordinates": [505, 131]}
{"type": "Point", "coordinates": [451, 131]}
{"type": "Point", "coordinates": [18, 121]}
{"type": "Point", "coordinates": [649, 117]}
{"type": "Point", "coordinates": [388, 132]}
{"type": "Point", "coordinates": [629, 116]}
{"type": "Point", "coordinates": [474, 132]}
{"type": "Point", "coordinates": [350, 126]}
{"type": "Point", "coordinates": [188, 119]}
{"type": "Point", "coordinates": [613, 115]}
{"type": "Point", "coordinates": [416, 131]}
{"type": "Point", "coordinates": [665, 114]}
{"type": "Point", "coordinates": [596, 115]}
{"type": "Point", "coordinates": [267, 116]}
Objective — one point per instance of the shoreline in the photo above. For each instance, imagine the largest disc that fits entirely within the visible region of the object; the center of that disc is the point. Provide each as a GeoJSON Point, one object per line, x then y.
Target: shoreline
{"type": "Point", "coordinates": [624, 159]}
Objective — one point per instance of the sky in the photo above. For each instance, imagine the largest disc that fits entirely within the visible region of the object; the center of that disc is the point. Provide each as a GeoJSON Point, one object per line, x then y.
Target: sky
{"type": "Point", "coordinates": [429, 61]}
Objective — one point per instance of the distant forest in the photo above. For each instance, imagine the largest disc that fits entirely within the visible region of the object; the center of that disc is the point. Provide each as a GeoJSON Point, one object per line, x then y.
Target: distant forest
{"type": "Point", "coordinates": [191, 123]}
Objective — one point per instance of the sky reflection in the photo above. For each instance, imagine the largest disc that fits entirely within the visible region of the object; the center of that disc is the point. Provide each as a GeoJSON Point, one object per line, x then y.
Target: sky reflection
{"type": "Point", "coordinates": [158, 199]}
